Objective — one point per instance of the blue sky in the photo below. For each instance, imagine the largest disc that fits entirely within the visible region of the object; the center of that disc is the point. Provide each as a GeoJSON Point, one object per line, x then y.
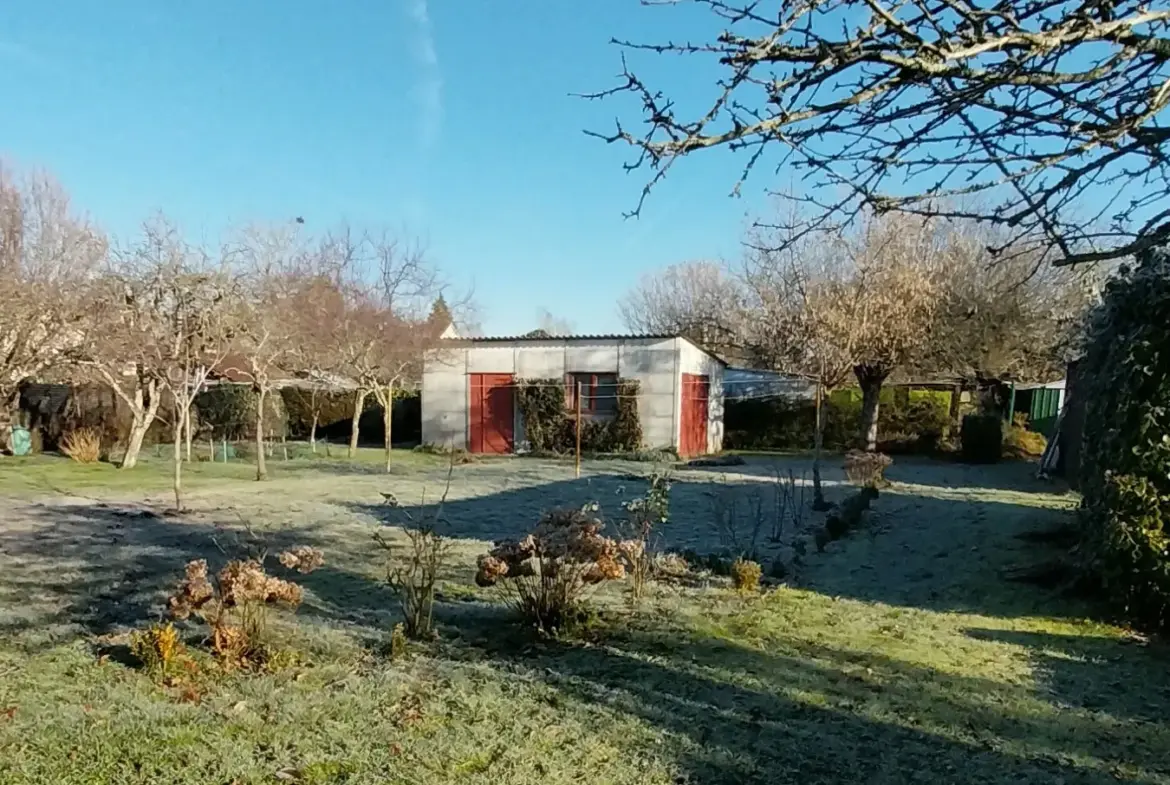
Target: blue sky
{"type": "Point", "coordinates": [451, 120]}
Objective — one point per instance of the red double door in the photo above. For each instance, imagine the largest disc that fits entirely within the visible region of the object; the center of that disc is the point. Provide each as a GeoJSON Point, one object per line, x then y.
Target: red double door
{"type": "Point", "coordinates": [693, 428]}
{"type": "Point", "coordinates": [492, 413]}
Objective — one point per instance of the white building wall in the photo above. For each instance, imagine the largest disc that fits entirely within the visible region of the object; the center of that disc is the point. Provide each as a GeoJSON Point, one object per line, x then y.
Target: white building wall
{"type": "Point", "coordinates": [656, 364]}
{"type": "Point", "coordinates": [444, 399]}
{"type": "Point", "coordinates": [694, 360]}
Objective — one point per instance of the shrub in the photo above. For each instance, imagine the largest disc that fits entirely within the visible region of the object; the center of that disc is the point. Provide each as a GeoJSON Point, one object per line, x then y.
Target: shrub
{"type": "Point", "coordinates": [157, 647]}
{"type": "Point", "coordinates": [867, 468]}
{"type": "Point", "coordinates": [235, 606]}
{"type": "Point", "coordinates": [228, 411]}
{"type": "Point", "coordinates": [739, 516]}
{"type": "Point", "coordinates": [542, 404]}
{"type": "Point", "coordinates": [300, 403]}
{"type": "Point", "coordinates": [1124, 377]}
{"type": "Point", "coordinates": [1021, 443]}
{"type": "Point", "coordinates": [982, 438]}
{"type": "Point", "coordinates": [745, 576]}
{"type": "Point", "coordinates": [847, 516]}
{"type": "Point", "coordinates": [415, 579]}
{"type": "Point", "coordinates": [1136, 567]}
{"type": "Point", "coordinates": [551, 429]}
{"type": "Point", "coordinates": [551, 570]}
{"type": "Point", "coordinates": [643, 516]}
{"type": "Point", "coordinates": [83, 445]}
{"type": "Point", "coordinates": [914, 421]}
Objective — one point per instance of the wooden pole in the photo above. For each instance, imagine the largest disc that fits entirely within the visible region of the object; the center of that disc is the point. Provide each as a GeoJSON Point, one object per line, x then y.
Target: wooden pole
{"type": "Point", "coordinates": [578, 430]}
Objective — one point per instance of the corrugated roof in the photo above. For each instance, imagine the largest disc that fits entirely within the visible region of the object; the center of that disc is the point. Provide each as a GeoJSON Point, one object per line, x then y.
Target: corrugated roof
{"type": "Point", "coordinates": [530, 338]}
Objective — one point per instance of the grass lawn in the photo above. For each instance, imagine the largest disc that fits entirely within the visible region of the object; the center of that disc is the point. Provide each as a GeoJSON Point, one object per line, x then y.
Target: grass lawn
{"type": "Point", "coordinates": [899, 655]}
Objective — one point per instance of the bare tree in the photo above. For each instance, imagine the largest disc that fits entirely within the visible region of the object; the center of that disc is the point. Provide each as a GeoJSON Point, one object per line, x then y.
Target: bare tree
{"type": "Point", "coordinates": [407, 287]}
{"type": "Point", "coordinates": [1004, 319]}
{"type": "Point", "coordinates": [1053, 112]}
{"type": "Point", "coordinates": [702, 301]}
{"type": "Point", "coordinates": [275, 280]}
{"type": "Point", "coordinates": [47, 257]}
{"type": "Point", "coordinates": [188, 310]}
{"type": "Point", "coordinates": [863, 303]}
{"type": "Point", "coordinates": [125, 342]}
{"type": "Point", "coordinates": [552, 325]}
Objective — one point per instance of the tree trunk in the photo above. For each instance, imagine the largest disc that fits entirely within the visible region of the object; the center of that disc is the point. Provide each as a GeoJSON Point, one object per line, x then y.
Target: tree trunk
{"type": "Point", "coordinates": [387, 418]}
{"type": "Point", "coordinates": [134, 445]}
{"type": "Point", "coordinates": [261, 466]}
{"type": "Point", "coordinates": [870, 380]}
{"type": "Point", "coordinates": [313, 434]}
{"type": "Point", "coordinates": [144, 411]}
{"type": "Point", "coordinates": [359, 403]}
{"type": "Point", "coordinates": [819, 503]}
{"type": "Point", "coordinates": [956, 400]}
{"type": "Point", "coordinates": [187, 432]}
{"type": "Point", "coordinates": [177, 432]}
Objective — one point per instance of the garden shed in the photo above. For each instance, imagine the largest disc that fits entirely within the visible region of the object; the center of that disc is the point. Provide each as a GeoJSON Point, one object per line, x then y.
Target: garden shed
{"type": "Point", "coordinates": [471, 387]}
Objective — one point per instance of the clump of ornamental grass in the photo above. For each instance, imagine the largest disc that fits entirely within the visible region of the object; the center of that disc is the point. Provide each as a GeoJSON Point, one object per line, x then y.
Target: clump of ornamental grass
{"type": "Point", "coordinates": [158, 648]}
{"type": "Point", "coordinates": [745, 576]}
{"type": "Point", "coordinates": [235, 603]}
{"type": "Point", "coordinates": [551, 571]}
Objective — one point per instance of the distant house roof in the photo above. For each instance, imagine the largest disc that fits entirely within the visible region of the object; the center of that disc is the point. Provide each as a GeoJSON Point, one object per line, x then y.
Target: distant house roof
{"type": "Point", "coordinates": [542, 336]}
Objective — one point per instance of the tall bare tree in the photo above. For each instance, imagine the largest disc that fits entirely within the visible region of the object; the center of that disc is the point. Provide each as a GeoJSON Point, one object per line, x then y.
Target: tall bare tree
{"type": "Point", "coordinates": [1013, 318]}
{"type": "Point", "coordinates": [702, 301]}
{"type": "Point", "coordinates": [1053, 112]}
{"type": "Point", "coordinates": [407, 286]}
{"type": "Point", "coordinates": [48, 255]}
{"type": "Point", "coordinates": [861, 303]}
{"type": "Point", "coordinates": [275, 280]}
{"type": "Point", "coordinates": [188, 310]}
{"type": "Point", "coordinates": [551, 324]}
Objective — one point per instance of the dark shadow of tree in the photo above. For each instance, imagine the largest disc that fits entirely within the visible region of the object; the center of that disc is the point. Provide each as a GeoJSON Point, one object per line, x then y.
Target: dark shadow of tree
{"type": "Point", "coordinates": [816, 715]}
{"type": "Point", "coordinates": [1096, 673]}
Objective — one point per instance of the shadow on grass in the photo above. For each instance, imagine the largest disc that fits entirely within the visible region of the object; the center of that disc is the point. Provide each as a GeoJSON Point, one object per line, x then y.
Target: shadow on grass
{"type": "Point", "coordinates": [95, 568]}
{"type": "Point", "coordinates": [814, 714]}
{"type": "Point", "coordinates": [1096, 673]}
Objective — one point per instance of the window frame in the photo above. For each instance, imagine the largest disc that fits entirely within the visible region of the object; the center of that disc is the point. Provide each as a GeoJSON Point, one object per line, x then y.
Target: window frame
{"type": "Point", "coordinates": [591, 382]}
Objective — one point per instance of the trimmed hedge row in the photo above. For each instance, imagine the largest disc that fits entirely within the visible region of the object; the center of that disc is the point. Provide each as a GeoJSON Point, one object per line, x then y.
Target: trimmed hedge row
{"type": "Point", "coordinates": [908, 421]}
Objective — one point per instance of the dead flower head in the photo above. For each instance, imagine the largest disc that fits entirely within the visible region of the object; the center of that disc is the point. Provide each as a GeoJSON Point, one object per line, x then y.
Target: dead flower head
{"type": "Point", "coordinates": [303, 558]}
{"type": "Point", "coordinates": [194, 592]}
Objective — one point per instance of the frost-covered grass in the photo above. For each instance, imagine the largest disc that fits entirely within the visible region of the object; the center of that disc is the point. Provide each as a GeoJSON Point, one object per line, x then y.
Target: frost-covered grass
{"type": "Point", "coordinates": [902, 656]}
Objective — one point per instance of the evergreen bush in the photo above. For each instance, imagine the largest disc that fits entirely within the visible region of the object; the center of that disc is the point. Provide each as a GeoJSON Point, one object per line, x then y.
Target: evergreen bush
{"type": "Point", "coordinates": [1125, 457]}
{"type": "Point", "coordinates": [982, 438]}
{"type": "Point", "coordinates": [228, 411]}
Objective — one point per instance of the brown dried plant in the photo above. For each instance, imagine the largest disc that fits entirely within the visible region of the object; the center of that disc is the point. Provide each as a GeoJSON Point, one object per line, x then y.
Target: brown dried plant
{"type": "Point", "coordinates": [415, 578]}
{"type": "Point", "coordinates": [83, 445]}
{"type": "Point", "coordinates": [235, 605]}
{"type": "Point", "coordinates": [867, 468]}
{"type": "Point", "coordinates": [551, 570]}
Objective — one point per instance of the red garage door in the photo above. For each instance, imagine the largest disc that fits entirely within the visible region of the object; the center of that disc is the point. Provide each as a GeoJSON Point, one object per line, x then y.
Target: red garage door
{"type": "Point", "coordinates": [490, 426]}
{"type": "Point", "coordinates": [693, 428]}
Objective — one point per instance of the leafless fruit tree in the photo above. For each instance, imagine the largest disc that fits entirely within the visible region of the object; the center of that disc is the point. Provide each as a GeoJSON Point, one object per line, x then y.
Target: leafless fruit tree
{"type": "Point", "coordinates": [48, 256]}
{"type": "Point", "coordinates": [1049, 113]}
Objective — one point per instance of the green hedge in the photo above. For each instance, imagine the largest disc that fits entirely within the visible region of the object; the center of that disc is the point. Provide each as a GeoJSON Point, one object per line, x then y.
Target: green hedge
{"type": "Point", "coordinates": [1125, 458]}
{"type": "Point", "coordinates": [908, 420]}
{"type": "Point", "coordinates": [331, 407]}
{"type": "Point", "coordinates": [228, 411]}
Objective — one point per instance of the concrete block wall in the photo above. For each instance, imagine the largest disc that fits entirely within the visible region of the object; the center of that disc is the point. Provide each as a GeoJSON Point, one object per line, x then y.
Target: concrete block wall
{"type": "Point", "coordinates": [657, 365]}
{"type": "Point", "coordinates": [444, 399]}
